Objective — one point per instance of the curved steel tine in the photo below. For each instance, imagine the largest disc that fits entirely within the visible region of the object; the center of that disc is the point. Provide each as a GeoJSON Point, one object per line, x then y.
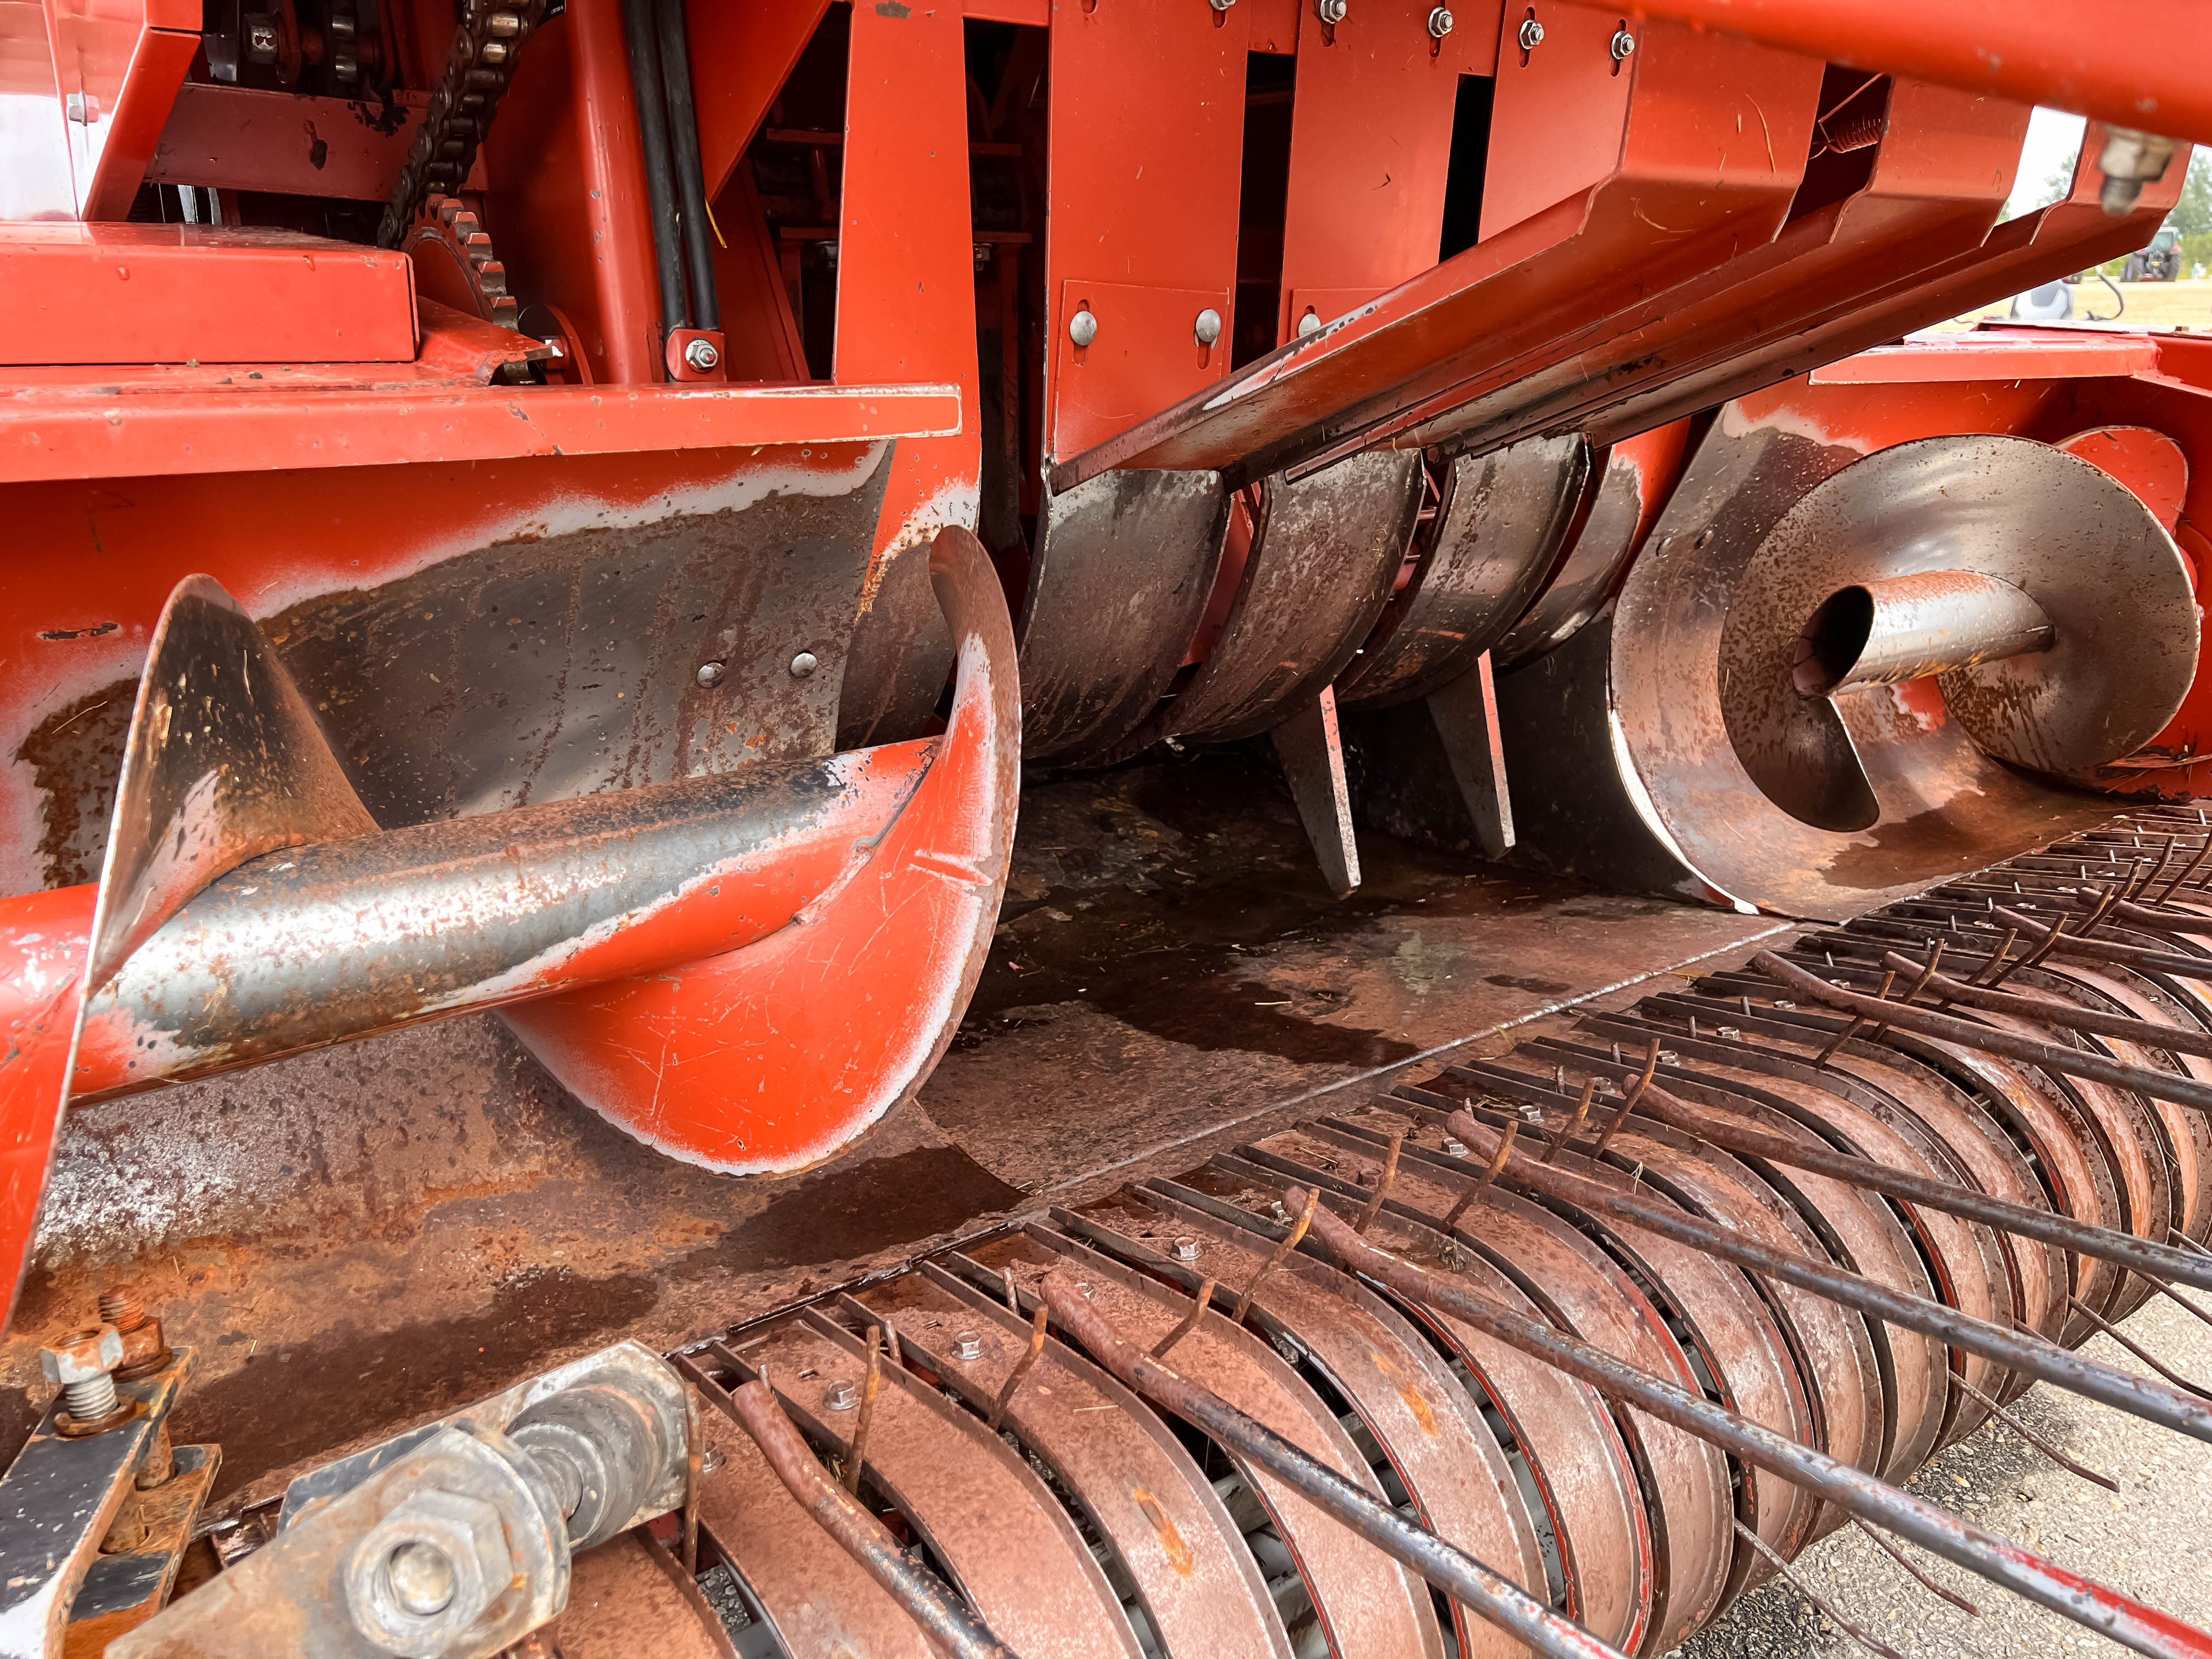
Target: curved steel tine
{"type": "Point", "coordinates": [2095, 1606]}
{"type": "Point", "coordinates": [1905, 1561]}
{"type": "Point", "coordinates": [1382, 1185]}
{"type": "Point", "coordinates": [2032, 1355]}
{"type": "Point", "coordinates": [2038, 1442]}
{"type": "Point", "coordinates": [1459, 1574]}
{"type": "Point", "coordinates": [1575, 1123]}
{"type": "Point", "coordinates": [1804, 1588]}
{"type": "Point", "coordinates": [2137, 1349]}
{"type": "Point", "coordinates": [2174, 1039]}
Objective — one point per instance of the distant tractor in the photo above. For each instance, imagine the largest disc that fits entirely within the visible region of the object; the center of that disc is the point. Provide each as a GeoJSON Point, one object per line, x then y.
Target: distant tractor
{"type": "Point", "coordinates": [2161, 262]}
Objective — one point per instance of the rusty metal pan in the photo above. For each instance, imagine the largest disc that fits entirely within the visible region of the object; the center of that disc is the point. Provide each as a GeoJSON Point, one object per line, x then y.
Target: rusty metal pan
{"type": "Point", "coordinates": [1709, 1304]}
{"type": "Point", "coordinates": [813, 1595]}
{"type": "Point", "coordinates": [1832, 1350]}
{"type": "Point", "coordinates": [631, 1585]}
{"type": "Point", "coordinates": [1190, 1573]}
{"type": "Point", "coordinates": [1986, 1159]}
{"type": "Point", "coordinates": [1326, 551]}
{"type": "Point", "coordinates": [1453, 1471]}
{"type": "Point", "coordinates": [2077, 1175]}
{"type": "Point", "coordinates": [1967, 1263]}
{"type": "Point", "coordinates": [1686, 1486]}
{"type": "Point", "coordinates": [1365, 1604]}
{"type": "Point", "coordinates": [1497, 533]}
{"type": "Point", "coordinates": [1123, 569]}
{"type": "Point", "coordinates": [1857, 1230]}
{"type": "Point", "coordinates": [1010, 1548]}
{"type": "Point", "coordinates": [1579, 1468]}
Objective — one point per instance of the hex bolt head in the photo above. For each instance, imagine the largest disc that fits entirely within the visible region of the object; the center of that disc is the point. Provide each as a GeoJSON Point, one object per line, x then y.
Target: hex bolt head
{"type": "Point", "coordinates": [968, 1346]}
{"type": "Point", "coordinates": [1221, 5]}
{"type": "Point", "coordinates": [1207, 328]}
{"type": "Point", "coordinates": [1185, 1250]}
{"type": "Point", "coordinates": [1454, 1147]}
{"type": "Point", "coordinates": [841, 1396]}
{"type": "Point", "coordinates": [82, 1355]}
{"type": "Point", "coordinates": [702, 355]}
{"type": "Point", "coordinates": [1330, 12]}
{"type": "Point", "coordinates": [710, 1459]}
{"type": "Point", "coordinates": [1083, 328]}
{"type": "Point", "coordinates": [1532, 35]}
{"type": "Point", "coordinates": [803, 664]}
{"type": "Point", "coordinates": [1729, 1032]}
{"type": "Point", "coordinates": [1785, 1006]}
{"type": "Point", "coordinates": [1440, 22]}
{"type": "Point", "coordinates": [710, 673]}
{"type": "Point", "coordinates": [1623, 44]}
{"type": "Point", "coordinates": [424, 1574]}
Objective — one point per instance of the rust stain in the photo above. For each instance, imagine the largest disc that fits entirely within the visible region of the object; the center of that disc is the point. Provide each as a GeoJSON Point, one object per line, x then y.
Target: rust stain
{"type": "Point", "coordinates": [1407, 1392]}
{"type": "Point", "coordinates": [1171, 1539]}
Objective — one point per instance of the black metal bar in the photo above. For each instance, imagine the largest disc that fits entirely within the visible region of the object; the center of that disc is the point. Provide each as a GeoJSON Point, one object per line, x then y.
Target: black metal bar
{"type": "Point", "coordinates": [2098, 1607]}
{"type": "Point", "coordinates": [1454, 1571]}
{"type": "Point", "coordinates": [690, 171]}
{"type": "Point", "coordinates": [659, 171]}
{"type": "Point", "coordinates": [949, 1621]}
{"type": "Point", "coordinates": [2154, 1260]}
{"type": "Point", "coordinates": [2162, 1085]}
{"type": "Point", "coordinates": [2028, 1354]}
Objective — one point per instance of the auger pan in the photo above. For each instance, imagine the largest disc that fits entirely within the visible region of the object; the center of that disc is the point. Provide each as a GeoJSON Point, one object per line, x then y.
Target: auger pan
{"type": "Point", "coordinates": [1611, 946]}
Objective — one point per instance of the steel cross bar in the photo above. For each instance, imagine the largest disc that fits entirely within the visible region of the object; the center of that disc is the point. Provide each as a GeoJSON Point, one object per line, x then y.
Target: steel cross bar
{"type": "Point", "coordinates": [2142, 1255]}
{"type": "Point", "coordinates": [1452, 1571]}
{"type": "Point", "coordinates": [2176, 962]}
{"type": "Point", "coordinates": [948, 1620]}
{"type": "Point", "coordinates": [2183, 1091]}
{"type": "Point", "coordinates": [2113, 59]}
{"type": "Point", "coordinates": [2098, 1607]}
{"type": "Point", "coordinates": [2015, 1351]}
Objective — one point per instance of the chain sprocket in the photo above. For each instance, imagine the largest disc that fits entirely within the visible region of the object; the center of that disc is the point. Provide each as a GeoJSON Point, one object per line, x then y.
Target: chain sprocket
{"type": "Point", "coordinates": [454, 264]}
{"type": "Point", "coordinates": [461, 109]}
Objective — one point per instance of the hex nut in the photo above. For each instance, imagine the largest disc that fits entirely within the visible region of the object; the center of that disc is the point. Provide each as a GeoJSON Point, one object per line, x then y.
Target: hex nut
{"type": "Point", "coordinates": [841, 1396]}
{"type": "Point", "coordinates": [82, 1356]}
{"type": "Point", "coordinates": [1185, 1250]}
{"type": "Point", "coordinates": [1454, 1147]}
{"type": "Point", "coordinates": [464, 1530]}
{"type": "Point", "coordinates": [1623, 44]}
{"type": "Point", "coordinates": [967, 1346]}
{"type": "Point", "coordinates": [1330, 11]}
{"type": "Point", "coordinates": [1532, 35]}
{"type": "Point", "coordinates": [1441, 22]}
{"type": "Point", "coordinates": [702, 355]}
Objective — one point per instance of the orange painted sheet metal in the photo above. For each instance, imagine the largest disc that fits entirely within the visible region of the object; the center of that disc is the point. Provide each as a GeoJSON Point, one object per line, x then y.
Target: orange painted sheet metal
{"type": "Point", "coordinates": [1370, 150]}
{"type": "Point", "coordinates": [173, 294]}
{"type": "Point", "coordinates": [1690, 190]}
{"type": "Point", "coordinates": [743, 55]}
{"type": "Point", "coordinates": [243, 138]}
{"type": "Point", "coordinates": [1145, 145]}
{"type": "Point", "coordinates": [2134, 62]}
{"type": "Point", "coordinates": [77, 434]}
{"type": "Point", "coordinates": [906, 285]}
{"type": "Point", "coordinates": [2011, 355]}
{"type": "Point", "coordinates": [42, 956]}
{"type": "Point", "coordinates": [771, 1058]}
{"type": "Point", "coordinates": [121, 61]}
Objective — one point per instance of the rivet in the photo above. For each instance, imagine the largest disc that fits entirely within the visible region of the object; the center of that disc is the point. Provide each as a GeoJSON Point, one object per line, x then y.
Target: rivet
{"type": "Point", "coordinates": [1308, 324]}
{"type": "Point", "coordinates": [1207, 328]}
{"type": "Point", "coordinates": [710, 673]}
{"type": "Point", "coordinates": [803, 664]}
{"type": "Point", "coordinates": [1083, 328]}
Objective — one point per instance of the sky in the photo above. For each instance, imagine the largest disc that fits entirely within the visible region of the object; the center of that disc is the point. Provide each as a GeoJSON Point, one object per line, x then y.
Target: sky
{"type": "Point", "coordinates": [2054, 138]}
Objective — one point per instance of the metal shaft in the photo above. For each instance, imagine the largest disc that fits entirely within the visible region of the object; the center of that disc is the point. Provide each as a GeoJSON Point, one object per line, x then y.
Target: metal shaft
{"type": "Point", "coordinates": [1907, 628]}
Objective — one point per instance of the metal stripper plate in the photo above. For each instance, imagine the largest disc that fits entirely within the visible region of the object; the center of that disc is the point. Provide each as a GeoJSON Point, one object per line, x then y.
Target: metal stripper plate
{"type": "Point", "coordinates": [1197, 1583]}
{"type": "Point", "coordinates": [1367, 1606]}
{"type": "Point", "coordinates": [1124, 566]}
{"type": "Point", "coordinates": [1497, 534]}
{"type": "Point", "coordinates": [1455, 1475]}
{"type": "Point", "coordinates": [816, 1598]}
{"type": "Point", "coordinates": [1685, 1483]}
{"type": "Point", "coordinates": [1011, 1549]}
{"type": "Point", "coordinates": [1325, 553]}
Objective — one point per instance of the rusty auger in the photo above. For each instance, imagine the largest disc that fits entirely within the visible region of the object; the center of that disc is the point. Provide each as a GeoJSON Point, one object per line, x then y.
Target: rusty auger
{"type": "Point", "coordinates": [2095, 1606]}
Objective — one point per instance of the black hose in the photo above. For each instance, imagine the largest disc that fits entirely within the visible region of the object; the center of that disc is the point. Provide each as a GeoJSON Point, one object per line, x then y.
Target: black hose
{"type": "Point", "coordinates": [691, 174]}
{"type": "Point", "coordinates": [659, 179]}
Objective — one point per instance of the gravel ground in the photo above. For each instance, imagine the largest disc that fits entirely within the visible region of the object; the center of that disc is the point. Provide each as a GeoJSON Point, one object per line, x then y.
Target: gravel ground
{"type": "Point", "coordinates": [2153, 1541]}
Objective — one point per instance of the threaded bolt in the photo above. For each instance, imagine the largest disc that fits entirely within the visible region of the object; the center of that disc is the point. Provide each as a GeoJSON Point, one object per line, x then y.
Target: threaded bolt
{"type": "Point", "coordinates": [121, 1309]}
{"type": "Point", "coordinates": [91, 1399]}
